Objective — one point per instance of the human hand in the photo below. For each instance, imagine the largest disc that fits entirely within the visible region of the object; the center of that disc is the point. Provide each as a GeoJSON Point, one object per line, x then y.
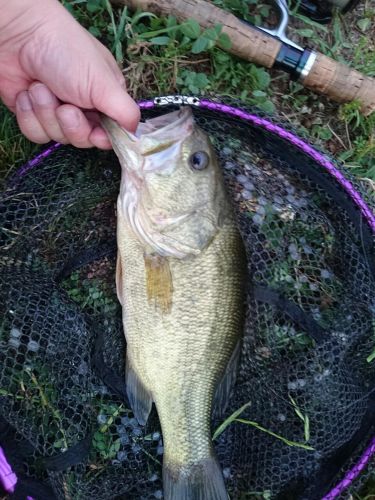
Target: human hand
{"type": "Point", "coordinates": [55, 76]}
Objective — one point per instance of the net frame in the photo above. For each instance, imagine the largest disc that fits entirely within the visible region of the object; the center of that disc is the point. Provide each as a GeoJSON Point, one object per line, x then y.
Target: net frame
{"type": "Point", "coordinates": [7, 476]}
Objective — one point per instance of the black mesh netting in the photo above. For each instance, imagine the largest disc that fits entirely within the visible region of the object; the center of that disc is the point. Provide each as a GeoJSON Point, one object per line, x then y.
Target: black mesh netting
{"type": "Point", "coordinates": [306, 375]}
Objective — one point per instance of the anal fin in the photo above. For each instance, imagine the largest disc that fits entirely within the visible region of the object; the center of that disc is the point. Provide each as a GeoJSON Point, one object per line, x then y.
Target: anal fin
{"type": "Point", "coordinates": [139, 397]}
{"type": "Point", "coordinates": [227, 382]}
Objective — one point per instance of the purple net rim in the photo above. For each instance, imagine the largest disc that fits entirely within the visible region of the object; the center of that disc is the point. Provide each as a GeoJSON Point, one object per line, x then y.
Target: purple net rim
{"type": "Point", "coordinates": [37, 159]}
{"type": "Point", "coordinates": [267, 125]}
{"type": "Point", "coordinates": [8, 479]}
{"type": "Point", "coordinates": [353, 473]}
{"type": "Point", "coordinates": [322, 160]}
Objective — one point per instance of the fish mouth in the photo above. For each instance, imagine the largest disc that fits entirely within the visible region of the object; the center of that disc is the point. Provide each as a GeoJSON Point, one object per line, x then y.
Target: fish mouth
{"type": "Point", "coordinates": [151, 136]}
{"type": "Point", "coordinates": [162, 123]}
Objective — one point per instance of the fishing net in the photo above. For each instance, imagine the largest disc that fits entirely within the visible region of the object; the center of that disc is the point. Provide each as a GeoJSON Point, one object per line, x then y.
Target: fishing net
{"type": "Point", "coordinates": [300, 419]}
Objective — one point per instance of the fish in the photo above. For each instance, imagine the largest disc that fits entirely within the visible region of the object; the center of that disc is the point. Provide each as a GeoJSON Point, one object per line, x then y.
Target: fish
{"type": "Point", "coordinates": [180, 280]}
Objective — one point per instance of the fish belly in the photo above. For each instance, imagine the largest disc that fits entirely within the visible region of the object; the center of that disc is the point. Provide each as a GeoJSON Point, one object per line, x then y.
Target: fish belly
{"type": "Point", "coordinates": [178, 357]}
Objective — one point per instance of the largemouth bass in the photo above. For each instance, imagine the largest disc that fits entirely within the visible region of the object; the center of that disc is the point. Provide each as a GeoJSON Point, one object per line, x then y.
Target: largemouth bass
{"type": "Point", "coordinates": [180, 273]}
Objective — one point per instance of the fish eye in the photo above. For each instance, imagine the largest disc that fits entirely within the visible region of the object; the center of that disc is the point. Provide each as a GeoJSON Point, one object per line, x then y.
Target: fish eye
{"type": "Point", "coordinates": [199, 160]}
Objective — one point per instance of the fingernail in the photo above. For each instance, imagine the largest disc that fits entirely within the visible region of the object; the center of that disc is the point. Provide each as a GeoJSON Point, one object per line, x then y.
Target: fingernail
{"type": "Point", "coordinates": [23, 101]}
{"type": "Point", "coordinates": [69, 118]}
{"type": "Point", "coordinates": [41, 94]}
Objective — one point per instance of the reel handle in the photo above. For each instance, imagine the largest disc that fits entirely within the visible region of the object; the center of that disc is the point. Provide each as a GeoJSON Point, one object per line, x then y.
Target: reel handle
{"type": "Point", "coordinates": [316, 71]}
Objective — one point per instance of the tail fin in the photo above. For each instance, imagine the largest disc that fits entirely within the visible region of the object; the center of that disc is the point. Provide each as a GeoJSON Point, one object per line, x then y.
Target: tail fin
{"type": "Point", "coordinates": [202, 481]}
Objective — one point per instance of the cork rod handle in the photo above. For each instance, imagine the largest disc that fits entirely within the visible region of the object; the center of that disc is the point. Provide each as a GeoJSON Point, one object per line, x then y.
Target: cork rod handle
{"type": "Point", "coordinates": [326, 76]}
{"type": "Point", "coordinates": [341, 83]}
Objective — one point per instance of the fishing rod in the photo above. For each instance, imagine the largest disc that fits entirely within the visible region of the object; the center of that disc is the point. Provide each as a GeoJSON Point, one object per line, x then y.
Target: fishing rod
{"type": "Point", "coordinates": [273, 49]}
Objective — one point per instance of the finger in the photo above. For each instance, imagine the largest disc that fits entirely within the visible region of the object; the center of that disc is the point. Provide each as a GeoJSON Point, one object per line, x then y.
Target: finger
{"type": "Point", "coordinates": [10, 90]}
{"type": "Point", "coordinates": [74, 125]}
{"type": "Point", "coordinates": [99, 138]}
{"type": "Point", "coordinates": [112, 100]}
{"type": "Point", "coordinates": [45, 104]}
{"type": "Point", "coordinates": [93, 117]}
{"type": "Point", "coordinates": [11, 108]}
{"type": "Point", "coordinates": [27, 121]}
{"type": "Point", "coordinates": [9, 102]}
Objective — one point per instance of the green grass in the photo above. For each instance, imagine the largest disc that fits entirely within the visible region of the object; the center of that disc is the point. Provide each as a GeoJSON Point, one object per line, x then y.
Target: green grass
{"type": "Point", "coordinates": [367, 492]}
{"type": "Point", "coordinates": [33, 390]}
{"type": "Point", "coordinates": [92, 294]}
{"type": "Point", "coordinates": [161, 56]}
{"type": "Point", "coordinates": [235, 418]}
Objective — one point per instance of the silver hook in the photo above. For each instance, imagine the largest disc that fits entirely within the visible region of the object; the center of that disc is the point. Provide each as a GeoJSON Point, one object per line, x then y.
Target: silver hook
{"type": "Point", "coordinates": [280, 30]}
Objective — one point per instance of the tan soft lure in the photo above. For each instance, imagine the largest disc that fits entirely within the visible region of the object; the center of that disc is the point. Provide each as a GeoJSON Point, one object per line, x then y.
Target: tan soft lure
{"type": "Point", "coordinates": [180, 272]}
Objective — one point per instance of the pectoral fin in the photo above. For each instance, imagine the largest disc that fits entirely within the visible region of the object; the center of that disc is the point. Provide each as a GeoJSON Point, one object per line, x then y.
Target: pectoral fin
{"type": "Point", "coordinates": [139, 397]}
{"type": "Point", "coordinates": [226, 384]}
{"type": "Point", "coordinates": [159, 282]}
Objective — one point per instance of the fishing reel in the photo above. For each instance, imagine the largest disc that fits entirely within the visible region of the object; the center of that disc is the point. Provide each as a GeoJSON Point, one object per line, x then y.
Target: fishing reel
{"type": "Point", "coordinates": [321, 11]}
{"type": "Point", "coordinates": [293, 58]}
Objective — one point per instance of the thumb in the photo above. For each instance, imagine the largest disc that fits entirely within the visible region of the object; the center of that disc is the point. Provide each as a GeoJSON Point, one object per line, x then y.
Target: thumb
{"type": "Point", "coordinates": [115, 102]}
